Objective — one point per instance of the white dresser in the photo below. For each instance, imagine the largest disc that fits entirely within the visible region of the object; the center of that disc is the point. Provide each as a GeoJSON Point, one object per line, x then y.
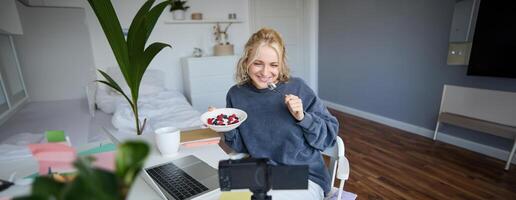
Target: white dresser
{"type": "Point", "coordinates": [208, 79]}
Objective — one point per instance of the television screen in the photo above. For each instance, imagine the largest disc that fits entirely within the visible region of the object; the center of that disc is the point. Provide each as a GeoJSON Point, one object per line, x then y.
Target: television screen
{"type": "Point", "coordinates": [494, 41]}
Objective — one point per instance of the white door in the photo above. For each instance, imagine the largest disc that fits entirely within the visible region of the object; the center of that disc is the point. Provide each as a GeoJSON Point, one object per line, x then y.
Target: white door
{"type": "Point", "coordinates": [286, 17]}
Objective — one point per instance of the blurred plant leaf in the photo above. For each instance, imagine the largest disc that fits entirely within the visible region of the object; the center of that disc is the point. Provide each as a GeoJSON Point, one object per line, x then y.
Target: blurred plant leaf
{"type": "Point", "coordinates": [94, 183]}
{"type": "Point", "coordinates": [109, 22]}
{"type": "Point", "coordinates": [45, 187]}
{"type": "Point", "coordinates": [130, 158]}
{"type": "Point", "coordinates": [91, 182]}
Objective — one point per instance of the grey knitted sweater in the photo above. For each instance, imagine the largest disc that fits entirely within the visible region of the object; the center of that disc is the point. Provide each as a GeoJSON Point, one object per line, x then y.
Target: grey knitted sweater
{"type": "Point", "coordinates": [270, 131]}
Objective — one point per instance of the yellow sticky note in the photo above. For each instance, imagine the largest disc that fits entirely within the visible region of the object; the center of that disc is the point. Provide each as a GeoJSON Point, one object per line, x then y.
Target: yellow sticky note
{"type": "Point", "coordinates": [235, 195]}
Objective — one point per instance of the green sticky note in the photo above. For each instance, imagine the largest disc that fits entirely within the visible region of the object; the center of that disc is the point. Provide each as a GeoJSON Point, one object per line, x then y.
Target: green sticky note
{"type": "Point", "coordinates": [99, 149]}
{"type": "Point", "coordinates": [56, 136]}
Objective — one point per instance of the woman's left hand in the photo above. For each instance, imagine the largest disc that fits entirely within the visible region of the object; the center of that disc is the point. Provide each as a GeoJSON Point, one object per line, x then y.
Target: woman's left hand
{"type": "Point", "coordinates": [295, 106]}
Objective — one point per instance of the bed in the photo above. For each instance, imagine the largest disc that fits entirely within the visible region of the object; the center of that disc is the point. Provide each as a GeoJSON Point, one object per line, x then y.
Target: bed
{"type": "Point", "coordinates": [160, 106]}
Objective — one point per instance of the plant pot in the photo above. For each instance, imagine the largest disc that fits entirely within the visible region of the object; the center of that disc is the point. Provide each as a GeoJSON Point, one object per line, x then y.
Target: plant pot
{"type": "Point", "coordinates": [223, 50]}
{"type": "Point", "coordinates": [178, 15]}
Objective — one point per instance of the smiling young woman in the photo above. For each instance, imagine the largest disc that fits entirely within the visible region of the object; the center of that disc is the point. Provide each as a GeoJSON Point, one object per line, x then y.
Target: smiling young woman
{"type": "Point", "coordinates": [288, 125]}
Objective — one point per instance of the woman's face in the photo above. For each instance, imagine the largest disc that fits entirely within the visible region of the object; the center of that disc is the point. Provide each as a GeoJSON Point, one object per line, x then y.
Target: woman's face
{"type": "Point", "coordinates": [265, 68]}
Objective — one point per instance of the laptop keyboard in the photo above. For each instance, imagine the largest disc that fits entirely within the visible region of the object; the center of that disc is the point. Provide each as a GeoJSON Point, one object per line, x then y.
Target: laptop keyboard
{"type": "Point", "coordinates": [175, 181]}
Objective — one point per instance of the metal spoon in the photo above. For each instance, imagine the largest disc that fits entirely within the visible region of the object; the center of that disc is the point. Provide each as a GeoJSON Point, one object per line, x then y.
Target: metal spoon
{"type": "Point", "coordinates": [273, 87]}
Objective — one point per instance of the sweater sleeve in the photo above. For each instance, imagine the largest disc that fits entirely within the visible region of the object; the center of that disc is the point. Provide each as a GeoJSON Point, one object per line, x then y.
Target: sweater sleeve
{"type": "Point", "coordinates": [320, 127]}
{"type": "Point", "coordinates": [233, 138]}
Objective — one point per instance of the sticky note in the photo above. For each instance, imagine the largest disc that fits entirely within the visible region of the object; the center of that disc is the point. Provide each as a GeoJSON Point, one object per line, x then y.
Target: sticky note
{"type": "Point", "coordinates": [58, 157]}
{"type": "Point", "coordinates": [55, 136]}
{"type": "Point", "coordinates": [105, 160]}
{"type": "Point", "coordinates": [235, 195]}
{"type": "Point", "coordinates": [100, 149]}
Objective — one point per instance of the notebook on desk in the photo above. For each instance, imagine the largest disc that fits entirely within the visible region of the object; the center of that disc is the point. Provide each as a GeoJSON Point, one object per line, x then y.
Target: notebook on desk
{"type": "Point", "coordinates": [199, 137]}
{"type": "Point", "coordinates": [183, 178]}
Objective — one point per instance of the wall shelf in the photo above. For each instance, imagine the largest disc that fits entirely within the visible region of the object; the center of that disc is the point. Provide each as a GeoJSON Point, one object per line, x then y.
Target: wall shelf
{"type": "Point", "coordinates": [203, 21]}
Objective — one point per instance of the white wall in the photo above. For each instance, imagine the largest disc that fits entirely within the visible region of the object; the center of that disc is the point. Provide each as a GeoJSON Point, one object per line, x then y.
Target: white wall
{"type": "Point", "coordinates": [9, 18]}
{"type": "Point", "coordinates": [182, 37]}
{"type": "Point", "coordinates": [54, 52]}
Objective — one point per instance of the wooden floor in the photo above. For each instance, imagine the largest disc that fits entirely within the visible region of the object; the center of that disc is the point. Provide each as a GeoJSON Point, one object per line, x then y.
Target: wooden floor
{"type": "Point", "coordinates": [388, 163]}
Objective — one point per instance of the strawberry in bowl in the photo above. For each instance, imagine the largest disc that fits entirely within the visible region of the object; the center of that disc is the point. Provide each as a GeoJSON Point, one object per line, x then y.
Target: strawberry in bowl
{"type": "Point", "coordinates": [223, 119]}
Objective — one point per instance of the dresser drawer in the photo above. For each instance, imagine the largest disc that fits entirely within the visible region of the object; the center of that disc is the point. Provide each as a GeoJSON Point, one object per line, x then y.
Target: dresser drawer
{"type": "Point", "coordinates": [207, 67]}
{"type": "Point", "coordinates": [202, 101]}
{"type": "Point", "coordinates": [209, 85]}
{"type": "Point", "coordinates": [208, 79]}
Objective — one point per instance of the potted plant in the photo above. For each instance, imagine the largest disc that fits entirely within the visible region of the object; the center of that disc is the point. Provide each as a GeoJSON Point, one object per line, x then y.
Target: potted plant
{"type": "Point", "coordinates": [132, 55]}
{"type": "Point", "coordinates": [178, 8]}
{"type": "Point", "coordinates": [94, 183]}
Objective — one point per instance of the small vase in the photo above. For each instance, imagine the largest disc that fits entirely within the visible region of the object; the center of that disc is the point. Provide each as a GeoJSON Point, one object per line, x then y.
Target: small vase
{"type": "Point", "coordinates": [223, 50]}
{"type": "Point", "coordinates": [178, 15]}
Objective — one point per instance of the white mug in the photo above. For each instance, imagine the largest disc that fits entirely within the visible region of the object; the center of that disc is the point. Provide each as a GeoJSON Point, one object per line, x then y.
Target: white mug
{"type": "Point", "coordinates": [167, 140]}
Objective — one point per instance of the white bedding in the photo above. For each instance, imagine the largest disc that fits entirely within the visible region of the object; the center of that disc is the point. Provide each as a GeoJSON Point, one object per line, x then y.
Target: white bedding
{"type": "Point", "coordinates": [168, 108]}
{"type": "Point", "coordinates": [159, 106]}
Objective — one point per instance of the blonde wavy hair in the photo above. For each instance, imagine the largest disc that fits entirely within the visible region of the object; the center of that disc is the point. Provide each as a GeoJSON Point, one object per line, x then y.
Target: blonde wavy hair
{"type": "Point", "coordinates": [263, 37]}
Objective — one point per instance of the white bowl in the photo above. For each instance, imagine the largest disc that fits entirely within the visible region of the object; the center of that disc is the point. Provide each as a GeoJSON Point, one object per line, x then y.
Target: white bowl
{"type": "Point", "coordinates": [242, 116]}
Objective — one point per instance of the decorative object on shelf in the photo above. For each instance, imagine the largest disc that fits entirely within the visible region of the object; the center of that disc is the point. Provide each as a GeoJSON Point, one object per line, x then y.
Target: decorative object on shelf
{"type": "Point", "coordinates": [178, 9]}
{"type": "Point", "coordinates": [197, 52]}
{"type": "Point", "coordinates": [196, 16]}
{"type": "Point", "coordinates": [223, 50]}
{"type": "Point", "coordinates": [232, 16]}
{"type": "Point", "coordinates": [132, 56]}
{"type": "Point", "coordinates": [223, 47]}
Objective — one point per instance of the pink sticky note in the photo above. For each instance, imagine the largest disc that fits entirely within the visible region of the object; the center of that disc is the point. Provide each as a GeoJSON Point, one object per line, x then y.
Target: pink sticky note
{"type": "Point", "coordinates": [49, 147]}
{"type": "Point", "coordinates": [105, 160]}
{"type": "Point", "coordinates": [58, 157]}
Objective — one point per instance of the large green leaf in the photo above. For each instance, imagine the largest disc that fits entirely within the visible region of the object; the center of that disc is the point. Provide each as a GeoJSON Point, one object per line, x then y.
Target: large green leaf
{"type": "Point", "coordinates": [152, 17]}
{"type": "Point", "coordinates": [131, 55]}
{"type": "Point", "coordinates": [150, 52]}
{"type": "Point", "coordinates": [150, 21]}
{"type": "Point", "coordinates": [109, 22]}
{"type": "Point", "coordinates": [136, 26]}
{"type": "Point", "coordinates": [135, 44]}
{"type": "Point", "coordinates": [139, 32]}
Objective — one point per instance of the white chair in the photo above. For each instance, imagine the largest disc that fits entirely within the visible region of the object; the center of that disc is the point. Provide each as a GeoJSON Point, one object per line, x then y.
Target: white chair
{"type": "Point", "coordinates": [338, 166]}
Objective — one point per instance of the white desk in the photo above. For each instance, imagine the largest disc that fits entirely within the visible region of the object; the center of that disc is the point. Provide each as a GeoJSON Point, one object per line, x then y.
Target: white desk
{"type": "Point", "coordinates": [210, 154]}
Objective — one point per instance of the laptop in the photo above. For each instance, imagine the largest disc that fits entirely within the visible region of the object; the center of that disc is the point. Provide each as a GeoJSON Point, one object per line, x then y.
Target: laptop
{"type": "Point", "coordinates": [182, 178]}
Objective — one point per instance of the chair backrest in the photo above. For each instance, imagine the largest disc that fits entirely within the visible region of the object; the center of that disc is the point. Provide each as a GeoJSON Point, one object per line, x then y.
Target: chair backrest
{"type": "Point", "coordinates": [490, 105]}
{"type": "Point", "coordinates": [335, 153]}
